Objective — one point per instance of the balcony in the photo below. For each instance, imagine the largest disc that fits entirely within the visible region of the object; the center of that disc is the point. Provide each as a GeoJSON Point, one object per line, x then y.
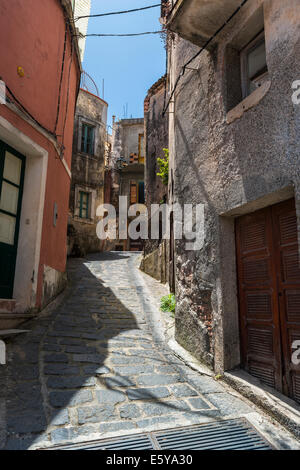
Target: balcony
{"type": "Point", "coordinates": [198, 20]}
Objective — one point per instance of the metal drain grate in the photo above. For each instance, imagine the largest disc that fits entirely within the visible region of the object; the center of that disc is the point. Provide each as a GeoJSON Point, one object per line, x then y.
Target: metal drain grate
{"type": "Point", "coordinates": [225, 435]}
{"type": "Point", "coordinates": [220, 435]}
{"type": "Point", "coordinates": [139, 442]}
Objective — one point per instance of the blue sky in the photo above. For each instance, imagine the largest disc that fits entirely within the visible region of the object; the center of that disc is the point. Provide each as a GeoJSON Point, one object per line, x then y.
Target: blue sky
{"type": "Point", "coordinates": [129, 66]}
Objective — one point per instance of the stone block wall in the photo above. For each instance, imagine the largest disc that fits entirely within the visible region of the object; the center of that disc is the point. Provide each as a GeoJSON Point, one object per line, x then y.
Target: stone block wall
{"type": "Point", "coordinates": [156, 261]}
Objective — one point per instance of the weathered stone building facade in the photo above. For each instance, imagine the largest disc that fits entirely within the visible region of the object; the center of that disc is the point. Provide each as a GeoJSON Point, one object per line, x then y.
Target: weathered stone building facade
{"type": "Point", "coordinates": [88, 162]}
{"type": "Point", "coordinates": [234, 139]}
{"type": "Point", "coordinates": [156, 261]}
{"type": "Point", "coordinates": [156, 139]}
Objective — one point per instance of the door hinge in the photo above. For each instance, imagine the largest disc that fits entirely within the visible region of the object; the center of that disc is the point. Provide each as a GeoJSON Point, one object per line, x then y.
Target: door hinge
{"type": "Point", "coordinates": [32, 279]}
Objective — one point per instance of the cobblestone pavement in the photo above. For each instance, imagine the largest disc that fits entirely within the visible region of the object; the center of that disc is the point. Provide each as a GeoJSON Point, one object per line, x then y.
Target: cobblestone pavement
{"type": "Point", "coordinates": [93, 368]}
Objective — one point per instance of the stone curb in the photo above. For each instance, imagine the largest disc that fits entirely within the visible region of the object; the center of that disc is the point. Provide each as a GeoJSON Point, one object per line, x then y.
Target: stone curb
{"type": "Point", "coordinates": [276, 405]}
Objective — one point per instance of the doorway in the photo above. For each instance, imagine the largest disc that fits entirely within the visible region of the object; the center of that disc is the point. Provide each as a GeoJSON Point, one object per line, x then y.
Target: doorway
{"type": "Point", "coordinates": [12, 169]}
{"type": "Point", "coordinates": [269, 295]}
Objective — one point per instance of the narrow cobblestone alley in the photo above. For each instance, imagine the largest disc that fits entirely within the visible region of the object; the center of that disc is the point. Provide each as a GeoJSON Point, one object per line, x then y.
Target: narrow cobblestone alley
{"type": "Point", "coordinates": [93, 368]}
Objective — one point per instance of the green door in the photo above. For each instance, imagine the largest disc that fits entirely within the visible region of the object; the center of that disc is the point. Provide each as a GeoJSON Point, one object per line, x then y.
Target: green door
{"type": "Point", "coordinates": [12, 167]}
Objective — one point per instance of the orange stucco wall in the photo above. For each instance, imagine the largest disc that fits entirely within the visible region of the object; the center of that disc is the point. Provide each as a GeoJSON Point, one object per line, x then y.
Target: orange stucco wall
{"type": "Point", "coordinates": [32, 34]}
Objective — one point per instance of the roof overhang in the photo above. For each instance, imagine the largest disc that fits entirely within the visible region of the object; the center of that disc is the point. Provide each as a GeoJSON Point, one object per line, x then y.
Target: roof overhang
{"type": "Point", "coordinates": [198, 20]}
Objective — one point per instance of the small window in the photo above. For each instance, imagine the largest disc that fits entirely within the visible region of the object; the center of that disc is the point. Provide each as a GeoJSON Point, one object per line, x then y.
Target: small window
{"type": "Point", "coordinates": [133, 193]}
{"type": "Point", "coordinates": [87, 139]}
{"type": "Point", "coordinates": [84, 205]}
{"type": "Point", "coordinates": [254, 65]}
{"type": "Point", "coordinates": [137, 192]}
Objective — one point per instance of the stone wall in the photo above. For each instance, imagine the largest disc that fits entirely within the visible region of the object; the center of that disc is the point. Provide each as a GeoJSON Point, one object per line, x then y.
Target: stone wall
{"type": "Point", "coordinates": [232, 160]}
{"type": "Point", "coordinates": [155, 263]}
{"type": "Point", "coordinates": [54, 282]}
{"type": "Point", "coordinates": [156, 252]}
{"type": "Point", "coordinates": [156, 139]}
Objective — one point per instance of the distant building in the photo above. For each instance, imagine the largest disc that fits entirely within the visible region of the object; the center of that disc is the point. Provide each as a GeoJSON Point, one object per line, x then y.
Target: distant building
{"type": "Point", "coordinates": [36, 134]}
{"type": "Point", "coordinates": [127, 171]}
{"type": "Point", "coordinates": [82, 8]}
{"type": "Point", "coordinates": [88, 161]}
{"type": "Point", "coordinates": [158, 259]}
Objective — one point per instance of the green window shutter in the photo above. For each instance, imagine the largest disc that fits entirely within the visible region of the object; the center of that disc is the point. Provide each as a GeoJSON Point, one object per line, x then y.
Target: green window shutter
{"type": "Point", "coordinates": [83, 205]}
{"type": "Point", "coordinates": [87, 139]}
{"type": "Point", "coordinates": [90, 141]}
{"type": "Point", "coordinates": [83, 138]}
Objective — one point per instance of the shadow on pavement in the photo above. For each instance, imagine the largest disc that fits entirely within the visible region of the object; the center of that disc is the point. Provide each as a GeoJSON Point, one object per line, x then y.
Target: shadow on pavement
{"type": "Point", "coordinates": [60, 364]}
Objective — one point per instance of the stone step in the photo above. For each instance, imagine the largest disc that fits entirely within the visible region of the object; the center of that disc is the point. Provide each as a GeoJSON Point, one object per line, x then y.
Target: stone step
{"type": "Point", "coordinates": [13, 320]}
{"type": "Point", "coordinates": [9, 333]}
{"type": "Point", "coordinates": [7, 305]}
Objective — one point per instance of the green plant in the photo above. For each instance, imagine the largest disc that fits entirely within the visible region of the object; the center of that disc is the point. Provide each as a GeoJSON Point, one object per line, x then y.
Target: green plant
{"type": "Point", "coordinates": [218, 377]}
{"type": "Point", "coordinates": [168, 303]}
{"type": "Point", "coordinates": [164, 167]}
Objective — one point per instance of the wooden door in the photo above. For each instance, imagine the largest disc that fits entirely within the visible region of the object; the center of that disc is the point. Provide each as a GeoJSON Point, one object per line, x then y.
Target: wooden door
{"type": "Point", "coordinates": [259, 314]}
{"type": "Point", "coordinates": [12, 166]}
{"type": "Point", "coordinates": [269, 295]}
{"type": "Point", "coordinates": [288, 278]}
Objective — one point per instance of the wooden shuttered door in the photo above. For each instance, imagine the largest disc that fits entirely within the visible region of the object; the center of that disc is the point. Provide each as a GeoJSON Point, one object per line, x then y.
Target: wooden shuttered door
{"type": "Point", "coordinates": [288, 269]}
{"type": "Point", "coordinates": [259, 315]}
{"type": "Point", "coordinates": [269, 295]}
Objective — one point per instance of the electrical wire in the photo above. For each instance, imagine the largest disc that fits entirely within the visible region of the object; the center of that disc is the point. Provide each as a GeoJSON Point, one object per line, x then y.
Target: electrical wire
{"type": "Point", "coordinates": [61, 79]}
{"type": "Point", "coordinates": [117, 35]}
{"type": "Point", "coordinates": [68, 93]}
{"type": "Point", "coordinates": [183, 69]}
{"type": "Point", "coordinates": [28, 113]}
{"type": "Point", "coordinates": [117, 12]}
